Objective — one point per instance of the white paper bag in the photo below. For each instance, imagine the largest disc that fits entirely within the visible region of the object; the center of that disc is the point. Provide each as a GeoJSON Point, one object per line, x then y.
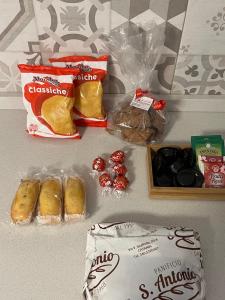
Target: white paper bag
{"type": "Point", "coordinates": [128, 261]}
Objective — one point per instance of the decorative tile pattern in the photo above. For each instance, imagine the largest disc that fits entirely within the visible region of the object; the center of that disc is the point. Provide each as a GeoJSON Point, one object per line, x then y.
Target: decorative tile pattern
{"type": "Point", "coordinates": [9, 73]}
{"type": "Point", "coordinates": [161, 82]}
{"type": "Point", "coordinates": [203, 74]}
{"type": "Point", "coordinates": [66, 25]}
{"type": "Point", "coordinates": [163, 75]}
{"type": "Point", "coordinates": [217, 23]}
{"type": "Point", "coordinates": [137, 12]}
{"type": "Point", "coordinates": [116, 82]}
{"type": "Point", "coordinates": [167, 13]}
{"type": "Point", "coordinates": [204, 28]}
{"type": "Point", "coordinates": [17, 28]}
{"type": "Point", "coordinates": [47, 55]}
{"type": "Point", "coordinates": [175, 21]}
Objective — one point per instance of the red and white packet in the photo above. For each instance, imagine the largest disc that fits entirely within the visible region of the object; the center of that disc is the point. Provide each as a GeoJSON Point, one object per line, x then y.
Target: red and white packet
{"type": "Point", "coordinates": [214, 171]}
{"type": "Point", "coordinates": [39, 83]}
{"type": "Point", "coordinates": [91, 69]}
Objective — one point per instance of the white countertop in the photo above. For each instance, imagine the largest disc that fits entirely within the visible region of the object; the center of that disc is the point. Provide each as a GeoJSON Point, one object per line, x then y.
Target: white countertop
{"type": "Point", "coordinates": [47, 263]}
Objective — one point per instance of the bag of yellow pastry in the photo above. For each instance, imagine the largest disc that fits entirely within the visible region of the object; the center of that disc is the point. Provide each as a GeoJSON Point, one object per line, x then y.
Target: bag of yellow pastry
{"type": "Point", "coordinates": [25, 200]}
{"type": "Point", "coordinates": [50, 201]}
{"type": "Point", "coordinates": [49, 196]}
{"type": "Point", "coordinates": [74, 199]}
{"type": "Point", "coordinates": [88, 107]}
{"type": "Point", "coordinates": [48, 97]}
{"type": "Point", "coordinates": [139, 118]}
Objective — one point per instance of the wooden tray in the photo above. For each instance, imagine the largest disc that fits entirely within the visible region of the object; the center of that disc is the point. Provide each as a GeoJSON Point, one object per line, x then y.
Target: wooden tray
{"type": "Point", "coordinates": [178, 192]}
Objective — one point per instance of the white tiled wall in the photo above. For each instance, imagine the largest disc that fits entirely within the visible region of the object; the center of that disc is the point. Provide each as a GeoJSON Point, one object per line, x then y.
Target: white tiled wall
{"type": "Point", "coordinates": [67, 25]}
{"type": "Point", "coordinates": [200, 66]}
{"type": "Point", "coordinates": [204, 28]}
{"type": "Point", "coordinates": [193, 60]}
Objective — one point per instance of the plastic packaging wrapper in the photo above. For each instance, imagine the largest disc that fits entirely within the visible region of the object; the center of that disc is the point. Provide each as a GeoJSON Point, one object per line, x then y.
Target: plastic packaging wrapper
{"type": "Point", "coordinates": [140, 119]}
{"type": "Point", "coordinates": [74, 199]}
{"type": "Point", "coordinates": [137, 261]}
{"type": "Point", "coordinates": [48, 97]}
{"type": "Point", "coordinates": [50, 201]}
{"type": "Point", "coordinates": [110, 173]}
{"type": "Point", "coordinates": [88, 107]}
{"type": "Point", "coordinates": [49, 196]}
{"type": "Point", "coordinates": [24, 203]}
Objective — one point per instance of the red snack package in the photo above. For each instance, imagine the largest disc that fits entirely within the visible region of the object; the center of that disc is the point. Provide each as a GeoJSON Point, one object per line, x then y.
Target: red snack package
{"type": "Point", "coordinates": [48, 97]}
{"type": "Point", "coordinates": [88, 108]}
{"type": "Point", "coordinates": [214, 171]}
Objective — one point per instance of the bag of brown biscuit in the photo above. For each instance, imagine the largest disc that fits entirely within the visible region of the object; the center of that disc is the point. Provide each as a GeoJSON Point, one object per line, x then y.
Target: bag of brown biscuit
{"type": "Point", "coordinates": [140, 118]}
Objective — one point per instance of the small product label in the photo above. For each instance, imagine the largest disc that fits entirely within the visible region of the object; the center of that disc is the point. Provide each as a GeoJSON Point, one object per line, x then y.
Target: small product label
{"type": "Point", "coordinates": [214, 171]}
{"type": "Point", "coordinates": [142, 102]}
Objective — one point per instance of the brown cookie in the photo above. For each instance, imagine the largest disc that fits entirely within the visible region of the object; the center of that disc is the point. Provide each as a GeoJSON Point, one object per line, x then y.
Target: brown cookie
{"type": "Point", "coordinates": [137, 136]}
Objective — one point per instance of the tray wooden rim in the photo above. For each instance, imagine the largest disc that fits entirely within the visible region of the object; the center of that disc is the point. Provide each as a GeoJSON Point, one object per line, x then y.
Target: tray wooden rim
{"type": "Point", "coordinates": [178, 192]}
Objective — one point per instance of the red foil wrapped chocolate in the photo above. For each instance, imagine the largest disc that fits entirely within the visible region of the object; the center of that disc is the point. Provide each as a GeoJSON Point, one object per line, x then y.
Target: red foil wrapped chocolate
{"type": "Point", "coordinates": [105, 180]}
{"type": "Point", "coordinates": [98, 164]}
{"type": "Point", "coordinates": [120, 183]}
{"type": "Point", "coordinates": [120, 169]}
{"type": "Point", "coordinates": [118, 156]}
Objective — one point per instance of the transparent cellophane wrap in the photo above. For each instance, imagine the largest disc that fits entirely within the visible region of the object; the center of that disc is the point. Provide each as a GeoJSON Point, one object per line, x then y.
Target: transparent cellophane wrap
{"type": "Point", "coordinates": [39, 176]}
{"type": "Point", "coordinates": [22, 211]}
{"type": "Point", "coordinates": [50, 203]}
{"type": "Point", "coordinates": [74, 187]}
{"type": "Point", "coordinates": [137, 51]}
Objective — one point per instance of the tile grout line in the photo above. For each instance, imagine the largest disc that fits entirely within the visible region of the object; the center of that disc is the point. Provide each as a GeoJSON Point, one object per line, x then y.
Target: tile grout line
{"type": "Point", "coordinates": [178, 53]}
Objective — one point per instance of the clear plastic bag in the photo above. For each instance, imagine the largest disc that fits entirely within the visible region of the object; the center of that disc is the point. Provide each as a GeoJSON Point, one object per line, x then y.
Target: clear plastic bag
{"type": "Point", "coordinates": [48, 196]}
{"type": "Point", "coordinates": [50, 204]}
{"type": "Point", "coordinates": [137, 51]}
{"type": "Point", "coordinates": [25, 200]}
{"type": "Point", "coordinates": [74, 198]}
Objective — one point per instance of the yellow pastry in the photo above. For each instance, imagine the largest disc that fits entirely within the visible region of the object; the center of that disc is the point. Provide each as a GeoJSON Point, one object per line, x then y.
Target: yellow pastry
{"type": "Point", "coordinates": [50, 202]}
{"type": "Point", "coordinates": [74, 199]}
{"type": "Point", "coordinates": [88, 99]}
{"type": "Point", "coordinates": [25, 200]}
{"type": "Point", "coordinates": [57, 112]}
